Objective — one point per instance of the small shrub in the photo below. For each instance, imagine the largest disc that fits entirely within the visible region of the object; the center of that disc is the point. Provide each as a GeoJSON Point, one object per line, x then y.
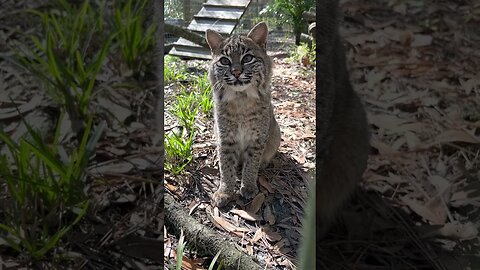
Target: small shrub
{"type": "Point", "coordinates": [304, 55]}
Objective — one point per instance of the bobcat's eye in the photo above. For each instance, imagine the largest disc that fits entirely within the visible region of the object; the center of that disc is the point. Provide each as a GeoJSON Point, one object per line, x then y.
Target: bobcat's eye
{"type": "Point", "coordinates": [247, 58]}
{"type": "Point", "coordinates": [224, 61]}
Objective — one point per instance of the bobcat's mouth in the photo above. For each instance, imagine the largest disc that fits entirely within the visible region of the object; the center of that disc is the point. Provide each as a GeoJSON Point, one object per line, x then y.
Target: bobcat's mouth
{"type": "Point", "coordinates": [239, 87]}
{"type": "Point", "coordinates": [242, 80]}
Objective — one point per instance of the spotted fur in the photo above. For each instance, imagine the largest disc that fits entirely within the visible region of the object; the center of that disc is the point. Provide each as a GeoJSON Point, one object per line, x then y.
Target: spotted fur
{"type": "Point", "coordinates": [245, 127]}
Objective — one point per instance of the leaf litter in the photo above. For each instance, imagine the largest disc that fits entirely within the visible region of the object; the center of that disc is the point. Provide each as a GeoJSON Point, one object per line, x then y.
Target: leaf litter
{"type": "Point", "coordinates": [125, 220]}
{"type": "Point", "coordinates": [415, 66]}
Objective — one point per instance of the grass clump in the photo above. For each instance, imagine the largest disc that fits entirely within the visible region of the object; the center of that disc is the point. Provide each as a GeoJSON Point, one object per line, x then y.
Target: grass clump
{"type": "Point", "coordinates": [204, 88]}
{"type": "Point", "coordinates": [178, 151]}
{"type": "Point", "coordinates": [44, 194]}
{"type": "Point", "coordinates": [70, 56]}
{"type": "Point", "coordinates": [186, 108]}
{"type": "Point", "coordinates": [173, 69]}
{"type": "Point", "coordinates": [136, 42]}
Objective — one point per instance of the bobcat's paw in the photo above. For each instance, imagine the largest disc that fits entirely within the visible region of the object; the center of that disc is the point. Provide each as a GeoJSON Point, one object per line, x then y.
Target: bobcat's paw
{"type": "Point", "coordinates": [222, 198]}
{"type": "Point", "coordinates": [249, 192]}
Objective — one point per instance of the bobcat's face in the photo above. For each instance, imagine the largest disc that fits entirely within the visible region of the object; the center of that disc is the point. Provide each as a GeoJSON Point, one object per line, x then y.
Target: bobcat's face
{"type": "Point", "coordinates": [237, 66]}
{"type": "Point", "coordinates": [239, 62]}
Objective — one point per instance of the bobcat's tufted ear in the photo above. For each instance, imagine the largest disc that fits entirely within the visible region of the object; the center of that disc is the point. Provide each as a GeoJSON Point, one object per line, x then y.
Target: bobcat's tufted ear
{"type": "Point", "coordinates": [214, 39]}
{"type": "Point", "coordinates": [259, 34]}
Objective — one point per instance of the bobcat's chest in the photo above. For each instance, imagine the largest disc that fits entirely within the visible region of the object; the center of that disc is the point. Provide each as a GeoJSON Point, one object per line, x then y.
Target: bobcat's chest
{"type": "Point", "coordinates": [244, 136]}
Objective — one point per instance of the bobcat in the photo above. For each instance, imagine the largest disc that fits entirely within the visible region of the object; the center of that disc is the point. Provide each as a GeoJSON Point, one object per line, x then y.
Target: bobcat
{"type": "Point", "coordinates": [343, 139]}
{"type": "Point", "coordinates": [247, 133]}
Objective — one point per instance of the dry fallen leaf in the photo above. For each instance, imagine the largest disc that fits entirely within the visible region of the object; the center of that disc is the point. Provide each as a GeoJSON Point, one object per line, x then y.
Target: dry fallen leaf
{"type": "Point", "coordinates": [273, 236]}
{"type": "Point", "coordinates": [465, 197]}
{"type": "Point", "coordinates": [386, 121]}
{"type": "Point", "coordinates": [454, 135]}
{"type": "Point", "coordinates": [264, 183]}
{"type": "Point", "coordinates": [245, 215]}
{"type": "Point", "coordinates": [256, 204]}
{"type": "Point", "coordinates": [433, 210]}
{"type": "Point", "coordinates": [229, 227]}
{"type": "Point", "coordinates": [412, 140]}
{"type": "Point", "coordinates": [458, 231]}
{"type": "Point", "coordinates": [268, 215]}
{"type": "Point", "coordinates": [258, 234]}
{"type": "Point", "coordinates": [192, 264]}
{"type": "Point", "coordinates": [441, 184]}
{"type": "Point", "coordinates": [121, 167]}
{"type": "Point", "coordinates": [170, 187]}
{"type": "Point", "coordinates": [383, 148]}
{"type": "Point", "coordinates": [249, 249]}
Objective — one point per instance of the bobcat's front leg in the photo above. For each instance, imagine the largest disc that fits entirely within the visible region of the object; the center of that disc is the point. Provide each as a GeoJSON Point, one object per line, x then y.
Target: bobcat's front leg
{"type": "Point", "coordinates": [228, 163]}
{"type": "Point", "coordinates": [252, 159]}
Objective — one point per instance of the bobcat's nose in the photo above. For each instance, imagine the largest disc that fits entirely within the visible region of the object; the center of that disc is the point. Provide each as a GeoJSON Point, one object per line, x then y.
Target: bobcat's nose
{"type": "Point", "coordinates": [236, 72]}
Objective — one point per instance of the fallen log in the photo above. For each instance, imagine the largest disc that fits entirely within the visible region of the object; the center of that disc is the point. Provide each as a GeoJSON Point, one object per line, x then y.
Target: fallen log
{"type": "Point", "coordinates": [205, 239]}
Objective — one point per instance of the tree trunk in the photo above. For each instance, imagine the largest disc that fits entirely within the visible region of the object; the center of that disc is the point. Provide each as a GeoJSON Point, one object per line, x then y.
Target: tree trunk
{"type": "Point", "coordinates": [204, 239]}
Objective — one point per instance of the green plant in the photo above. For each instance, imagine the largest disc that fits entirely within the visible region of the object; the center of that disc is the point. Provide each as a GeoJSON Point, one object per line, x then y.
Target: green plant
{"type": "Point", "coordinates": [186, 109]}
{"type": "Point", "coordinates": [43, 191]}
{"type": "Point", "coordinates": [181, 250]}
{"type": "Point", "coordinates": [70, 56]}
{"type": "Point", "coordinates": [214, 261]}
{"type": "Point", "coordinates": [178, 151]}
{"type": "Point", "coordinates": [173, 69]}
{"type": "Point", "coordinates": [136, 43]}
{"type": "Point", "coordinates": [304, 54]}
{"type": "Point", "coordinates": [205, 94]}
{"type": "Point", "coordinates": [291, 12]}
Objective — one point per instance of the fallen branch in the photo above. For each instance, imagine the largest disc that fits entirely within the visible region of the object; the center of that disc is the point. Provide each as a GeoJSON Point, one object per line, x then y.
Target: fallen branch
{"type": "Point", "coordinates": [204, 239]}
{"type": "Point", "coordinates": [186, 34]}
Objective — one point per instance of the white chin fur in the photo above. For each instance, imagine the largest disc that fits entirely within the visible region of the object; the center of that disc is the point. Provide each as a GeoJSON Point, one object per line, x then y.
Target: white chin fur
{"type": "Point", "coordinates": [232, 92]}
{"type": "Point", "coordinates": [239, 88]}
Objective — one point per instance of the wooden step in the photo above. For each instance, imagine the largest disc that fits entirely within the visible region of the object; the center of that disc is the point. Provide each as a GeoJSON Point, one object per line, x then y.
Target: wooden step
{"type": "Point", "coordinates": [227, 3]}
{"type": "Point", "coordinates": [186, 42]}
{"type": "Point", "coordinates": [181, 42]}
{"type": "Point", "coordinates": [191, 52]}
{"type": "Point", "coordinates": [221, 26]}
{"type": "Point", "coordinates": [220, 13]}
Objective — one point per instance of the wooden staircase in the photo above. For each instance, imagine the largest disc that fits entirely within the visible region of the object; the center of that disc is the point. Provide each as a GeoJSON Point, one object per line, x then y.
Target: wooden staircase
{"type": "Point", "coordinates": [219, 15]}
